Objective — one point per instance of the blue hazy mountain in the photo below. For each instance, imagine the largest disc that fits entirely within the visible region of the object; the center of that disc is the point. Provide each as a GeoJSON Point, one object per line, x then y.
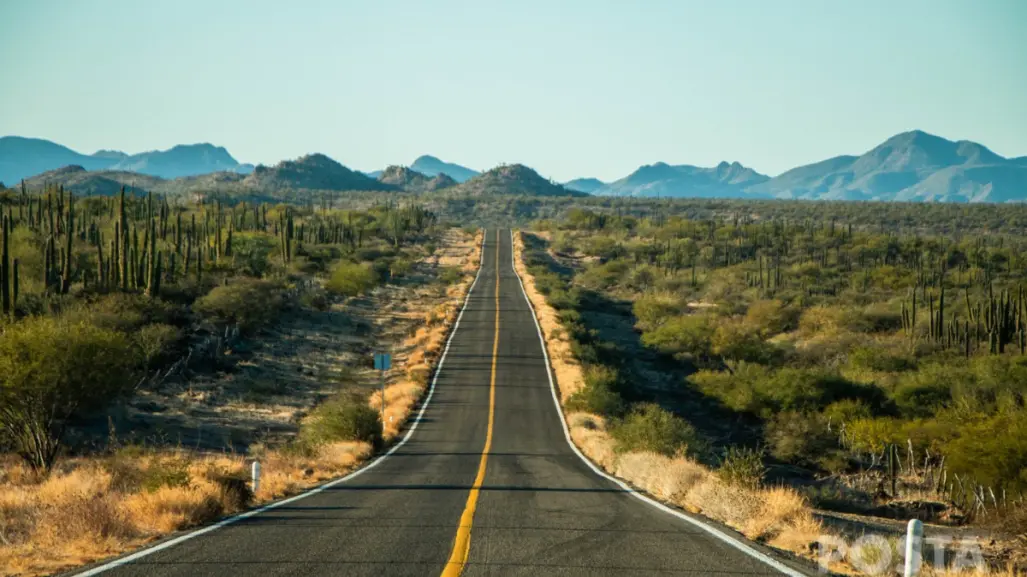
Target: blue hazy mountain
{"type": "Point", "coordinates": [588, 185]}
{"type": "Point", "coordinates": [726, 180]}
{"type": "Point", "coordinates": [180, 160]}
{"type": "Point", "coordinates": [911, 166]}
{"type": "Point", "coordinates": [431, 166]}
{"type": "Point", "coordinates": [26, 157]}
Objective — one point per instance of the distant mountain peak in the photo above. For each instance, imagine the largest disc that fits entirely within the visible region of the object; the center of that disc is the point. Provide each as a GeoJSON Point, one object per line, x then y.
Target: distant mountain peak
{"type": "Point", "coordinates": [588, 185]}
{"type": "Point", "coordinates": [431, 166]}
{"type": "Point", "coordinates": [514, 179]}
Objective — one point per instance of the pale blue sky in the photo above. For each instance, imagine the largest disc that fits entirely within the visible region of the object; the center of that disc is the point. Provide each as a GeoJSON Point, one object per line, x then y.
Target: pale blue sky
{"type": "Point", "coordinates": [572, 88]}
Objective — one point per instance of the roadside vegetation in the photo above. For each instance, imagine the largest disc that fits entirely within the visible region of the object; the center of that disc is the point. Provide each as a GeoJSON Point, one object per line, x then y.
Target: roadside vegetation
{"type": "Point", "coordinates": [105, 299]}
{"type": "Point", "coordinates": [749, 367]}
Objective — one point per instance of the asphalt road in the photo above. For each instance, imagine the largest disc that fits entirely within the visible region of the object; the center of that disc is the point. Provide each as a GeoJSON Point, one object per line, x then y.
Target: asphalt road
{"type": "Point", "coordinates": [534, 508]}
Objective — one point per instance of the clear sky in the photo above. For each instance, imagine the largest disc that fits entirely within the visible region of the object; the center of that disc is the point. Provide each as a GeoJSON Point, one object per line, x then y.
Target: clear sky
{"type": "Point", "coordinates": [570, 87]}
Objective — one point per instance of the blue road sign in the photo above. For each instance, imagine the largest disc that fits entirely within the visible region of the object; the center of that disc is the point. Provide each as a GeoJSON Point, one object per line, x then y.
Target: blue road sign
{"type": "Point", "coordinates": [382, 361]}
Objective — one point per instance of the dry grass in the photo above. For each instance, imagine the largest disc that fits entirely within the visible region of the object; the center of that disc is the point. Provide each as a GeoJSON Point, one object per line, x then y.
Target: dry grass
{"type": "Point", "coordinates": [91, 508]}
{"type": "Point", "coordinates": [566, 368]}
{"type": "Point", "coordinates": [424, 347]}
{"type": "Point", "coordinates": [94, 507]}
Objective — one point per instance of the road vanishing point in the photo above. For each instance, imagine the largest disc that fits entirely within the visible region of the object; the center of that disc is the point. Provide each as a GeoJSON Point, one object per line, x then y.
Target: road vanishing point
{"type": "Point", "coordinates": [485, 483]}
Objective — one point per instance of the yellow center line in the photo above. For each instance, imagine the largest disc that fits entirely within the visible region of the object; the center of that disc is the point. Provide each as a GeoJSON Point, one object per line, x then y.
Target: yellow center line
{"type": "Point", "coordinates": [462, 543]}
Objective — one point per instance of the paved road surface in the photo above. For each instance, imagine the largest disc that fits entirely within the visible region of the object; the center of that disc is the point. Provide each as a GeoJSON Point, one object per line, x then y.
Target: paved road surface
{"type": "Point", "coordinates": [534, 508]}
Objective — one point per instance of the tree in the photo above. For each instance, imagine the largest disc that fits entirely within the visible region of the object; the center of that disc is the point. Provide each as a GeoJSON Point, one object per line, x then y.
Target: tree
{"type": "Point", "coordinates": [52, 370]}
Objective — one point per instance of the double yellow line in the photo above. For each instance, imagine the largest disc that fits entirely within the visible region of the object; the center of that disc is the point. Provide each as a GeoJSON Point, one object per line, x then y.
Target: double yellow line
{"type": "Point", "coordinates": [462, 543]}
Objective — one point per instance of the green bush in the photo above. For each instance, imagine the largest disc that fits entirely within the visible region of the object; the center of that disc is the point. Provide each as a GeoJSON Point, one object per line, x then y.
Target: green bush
{"type": "Point", "coordinates": [599, 395]}
{"type": "Point", "coordinates": [52, 370]}
{"type": "Point", "coordinates": [650, 428]}
{"type": "Point", "coordinates": [742, 466]}
{"type": "Point", "coordinates": [249, 303]}
{"type": "Point", "coordinates": [342, 419]}
{"type": "Point", "coordinates": [684, 337]}
{"type": "Point", "coordinates": [449, 275]}
{"type": "Point", "coordinates": [349, 279]}
{"type": "Point", "coordinates": [800, 438]}
{"type": "Point", "coordinates": [156, 341]}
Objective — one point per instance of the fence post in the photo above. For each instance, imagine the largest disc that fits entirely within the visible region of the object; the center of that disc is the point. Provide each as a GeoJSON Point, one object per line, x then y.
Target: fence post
{"type": "Point", "coordinates": [914, 548]}
{"type": "Point", "coordinates": [255, 475]}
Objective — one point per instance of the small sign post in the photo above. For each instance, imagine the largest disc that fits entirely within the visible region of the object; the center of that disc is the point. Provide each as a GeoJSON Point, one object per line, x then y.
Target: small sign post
{"type": "Point", "coordinates": [383, 362]}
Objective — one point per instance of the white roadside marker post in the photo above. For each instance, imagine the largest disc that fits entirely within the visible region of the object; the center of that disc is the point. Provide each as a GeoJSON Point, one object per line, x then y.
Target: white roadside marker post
{"type": "Point", "coordinates": [914, 548]}
{"type": "Point", "coordinates": [255, 475]}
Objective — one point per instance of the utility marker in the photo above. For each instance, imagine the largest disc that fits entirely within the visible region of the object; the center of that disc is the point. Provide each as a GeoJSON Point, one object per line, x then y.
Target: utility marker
{"type": "Point", "coordinates": [383, 362]}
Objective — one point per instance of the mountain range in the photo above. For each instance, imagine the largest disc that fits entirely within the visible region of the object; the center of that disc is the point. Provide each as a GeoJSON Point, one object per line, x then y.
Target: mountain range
{"type": "Point", "coordinates": [911, 166]}
{"type": "Point", "coordinates": [25, 157]}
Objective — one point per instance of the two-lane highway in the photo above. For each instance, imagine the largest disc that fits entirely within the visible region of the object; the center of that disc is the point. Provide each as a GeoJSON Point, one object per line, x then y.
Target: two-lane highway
{"type": "Point", "coordinates": [486, 484]}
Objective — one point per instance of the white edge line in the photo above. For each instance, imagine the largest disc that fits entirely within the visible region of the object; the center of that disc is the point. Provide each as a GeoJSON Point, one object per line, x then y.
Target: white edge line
{"type": "Point", "coordinates": [225, 522]}
{"type": "Point", "coordinates": [741, 546]}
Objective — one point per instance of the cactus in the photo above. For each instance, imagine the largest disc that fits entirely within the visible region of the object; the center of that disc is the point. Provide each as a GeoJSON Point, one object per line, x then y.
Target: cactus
{"type": "Point", "coordinates": [5, 259]}
{"type": "Point", "coordinates": [122, 241]}
{"type": "Point", "coordinates": [68, 237]}
{"type": "Point", "coordinates": [152, 261]}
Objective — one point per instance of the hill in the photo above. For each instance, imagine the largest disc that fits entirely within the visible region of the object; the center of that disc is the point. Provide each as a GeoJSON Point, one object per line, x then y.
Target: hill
{"type": "Point", "coordinates": [513, 179]}
{"type": "Point", "coordinates": [588, 185]}
{"type": "Point", "coordinates": [313, 171]}
{"type": "Point", "coordinates": [911, 166]}
{"type": "Point", "coordinates": [180, 160]}
{"type": "Point", "coordinates": [722, 181]}
{"type": "Point", "coordinates": [25, 157]}
{"type": "Point", "coordinates": [104, 182]}
{"type": "Point", "coordinates": [431, 166]}
{"type": "Point", "coordinates": [413, 181]}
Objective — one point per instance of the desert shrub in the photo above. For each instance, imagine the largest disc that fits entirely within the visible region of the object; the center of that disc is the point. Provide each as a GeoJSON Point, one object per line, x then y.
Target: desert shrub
{"type": "Point", "coordinates": [739, 341]}
{"type": "Point", "coordinates": [155, 342]}
{"type": "Point", "coordinates": [165, 472]}
{"type": "Point", "coordinates": [650, 428]}
{"type": "Point", "coordinates": [251, 253]}
{"type": "Point", "coordinates": [52, 370]}
{"type": "Point", "coordinates": [757, 389]}
{"type": "Point", "coordinates": [604, 276]}
{"type": "Point", "coordinates": [991, 449]}
{"type": "Point", "coordinates": [770, 317]}
{"type": "Point", "coordinates": [400, 267]}
{"type": "Point", "coordinates": [653, 309]}
{"type": "Point", "coordinates": [349, 279]}
{"type": "Point", "coordinates": [742, 466]}
{"type": "Point", "coordinates": [801, 438]}
{"type": "Point", "coordinates": [316, 300]}
{"type": "Point", "coordinates": [249, 303]}
{"type": "Point", "coordinates": [125, 312]}
{"type": "Point", "coordinates": [847, 410]}
{"type": "Point", "coordinates": [342, 419]}
{"type": "Point", "coordinates": [599, 394]}
{"type": "Point", "coordinates": [601, 246]}
{"type": "Point", "coordinates": [881, 359]}
{"type": "Point", "coordinates": [450, 275]}
{"type": "Point", "coordinates": [685, 337]}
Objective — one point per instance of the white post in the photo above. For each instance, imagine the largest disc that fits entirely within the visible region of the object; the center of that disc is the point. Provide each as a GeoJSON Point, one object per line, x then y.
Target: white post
{"type": "Point", "coordinates": [255, 474]}
{"type": "Point", "coordinates": [914, 548]}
